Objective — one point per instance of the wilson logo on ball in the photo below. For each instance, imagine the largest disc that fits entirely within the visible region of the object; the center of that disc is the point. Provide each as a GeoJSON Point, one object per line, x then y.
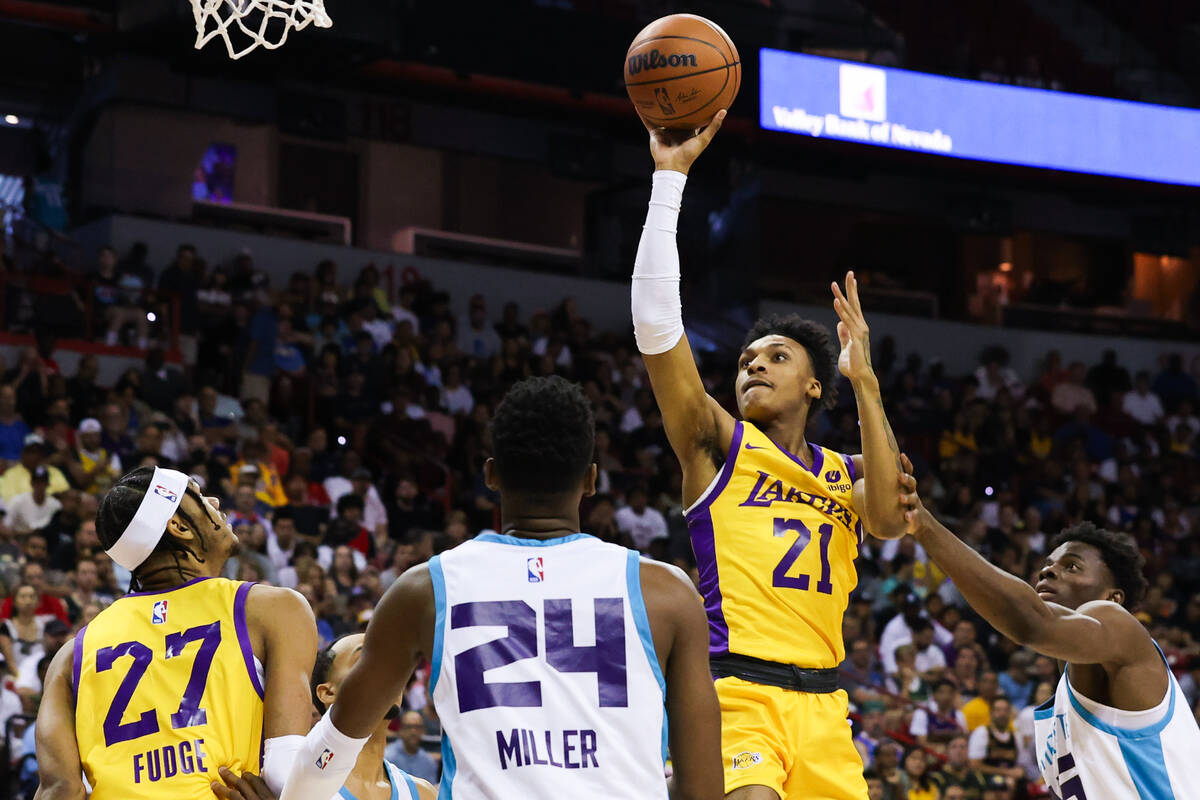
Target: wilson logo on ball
{"type": "Point", "coordinates": [655, 60]}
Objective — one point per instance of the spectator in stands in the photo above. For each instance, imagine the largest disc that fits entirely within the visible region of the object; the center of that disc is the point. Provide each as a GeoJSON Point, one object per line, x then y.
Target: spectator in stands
{"type": "Point", "coordinates": [994, 374]}
{"type": "Point", "coordinates": [1173, 384]}
{"type": "Point", "coordinates": [643, 523]}
{"type": "Point", "coordinates": [85, 394]}
{"type": "Point", "coordinates": [93, 469]}
{"type": "Point", "coordinates": [958, 773]}
{"type": "Point", "coordinates": [254, 469]}
{"type": "Point", "coordinates": [1070, 395]}
{"type": "Point", "coordinates": [1141, 404]}
{"type": "Point", "coordinates": [13, 429]}
{"type": "Point", "coordinates": [114, 434]}
{"type": "Point", "coordinates": [161, 383]}
{"type": "Point", "coordinates": [920, 776]}
{"type": "Point", "coordinates": [940, 720]}
{"type": "Point", "coordinates": [252, 548]}
{"type": "Point", "coordinates": [181, 281]}
{"type": "Point", "coordinates": [1024, 728]}
{"type": "Point", "coordinates": [888, 757]}
{"type": "Point", "coordinates": [32, 511]}
{"type": "Point", "coordinates": [978, 710]}
{"type": "Point", "coordinates": [110, 303]}
{"type": "Point", "coordinates": [993, 748]}
{"type": "Point", "coordinates": [258, 346]}
{"type": "Point", "coordinates": [456, 397]}
{"type": "Point", "coordinates": [31, 668]}
{"type": "Point", "coordinates": [1016, 682]}
{"type": "Point", "coordinates": [406, 753]}
{"type": "Point", "coordinates": [25, 625]}
{"type": "Point", "coordinates": [84, 589]}
{"type": "Point", "coordinates": [18, 479]}
{"type": "Point", "coordinates": [476, 335]}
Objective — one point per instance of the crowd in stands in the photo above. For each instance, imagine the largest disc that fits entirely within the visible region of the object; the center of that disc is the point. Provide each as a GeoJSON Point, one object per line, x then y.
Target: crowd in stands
{"type": "Point", "coordinates": [345, 430]}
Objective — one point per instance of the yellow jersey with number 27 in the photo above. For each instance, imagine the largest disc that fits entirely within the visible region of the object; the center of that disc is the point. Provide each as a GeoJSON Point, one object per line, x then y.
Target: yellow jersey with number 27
{"type": "Point", "coordinates": [775, 543]}
{"type": "Point", "coordinates": [167, 689]}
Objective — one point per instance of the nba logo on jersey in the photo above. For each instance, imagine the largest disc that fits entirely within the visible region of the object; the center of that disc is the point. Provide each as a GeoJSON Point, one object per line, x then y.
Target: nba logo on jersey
{"type": "Point", "coordinates": [536, 575]}
{"type": "Point", "coordinates": [165, 493]}
{"type": "Point", "coordinates": [324, 759]}
{"type": "Point", "coordinates": [158, 614]}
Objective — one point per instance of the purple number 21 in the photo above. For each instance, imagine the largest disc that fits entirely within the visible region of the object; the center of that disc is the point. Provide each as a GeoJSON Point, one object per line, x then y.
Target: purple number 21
{"type": "Point", "coordinates": [189, 712]}
{"type": "Point", "coordinates": [804, 536]}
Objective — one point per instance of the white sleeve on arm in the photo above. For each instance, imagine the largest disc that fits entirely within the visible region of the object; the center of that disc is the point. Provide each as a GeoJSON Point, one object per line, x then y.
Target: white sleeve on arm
{"type": "Point", "coordinates": [657, 312]}
{"type": "Point", "coordinates": [279, 754]}
{"type": "Point", "coordinates": [322, 764]}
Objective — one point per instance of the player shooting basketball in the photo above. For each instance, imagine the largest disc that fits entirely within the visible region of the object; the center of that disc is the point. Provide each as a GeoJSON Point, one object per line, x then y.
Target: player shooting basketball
{"type": "Point", "coordinates": [776, 521]}
{"type": "Point", "coordinates": [1118, 726]}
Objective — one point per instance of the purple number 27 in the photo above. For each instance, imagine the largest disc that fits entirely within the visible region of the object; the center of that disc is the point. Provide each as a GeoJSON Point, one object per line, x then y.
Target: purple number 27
{"type": "Point", "coordinates": [189, 712]}
{"type": "Point", "coordinates": [803, 537]}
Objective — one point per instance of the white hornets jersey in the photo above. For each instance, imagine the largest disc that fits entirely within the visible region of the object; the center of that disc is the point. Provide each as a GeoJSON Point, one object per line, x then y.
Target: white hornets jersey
{"type": "Point", "coordinates": [1089, 751]}
{"type": "Point", "coordinates": [544, 672]}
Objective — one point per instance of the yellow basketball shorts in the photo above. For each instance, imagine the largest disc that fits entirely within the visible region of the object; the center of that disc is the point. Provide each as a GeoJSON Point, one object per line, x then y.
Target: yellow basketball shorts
{"type": "Point", "coordinates": [798, 744]}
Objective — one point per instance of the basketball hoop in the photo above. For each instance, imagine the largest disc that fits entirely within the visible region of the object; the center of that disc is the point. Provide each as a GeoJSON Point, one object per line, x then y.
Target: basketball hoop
{"type": "Point", "coordinates": [256, 23]}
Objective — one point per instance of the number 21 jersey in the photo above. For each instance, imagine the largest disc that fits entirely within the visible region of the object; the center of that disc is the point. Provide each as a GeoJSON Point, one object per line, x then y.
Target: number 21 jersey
{"type": "Point", "coordinates": [544, 671]}
{"type": "Point", "coordinates": [775, 543]}
{"type": "Point", "coordinates": [167, 689]}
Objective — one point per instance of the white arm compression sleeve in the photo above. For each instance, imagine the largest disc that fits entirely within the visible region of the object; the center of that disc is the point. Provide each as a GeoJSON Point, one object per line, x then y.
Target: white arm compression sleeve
{"type": "Point", "coordinates": [323, 762]}
{"type": "Point", "coordinates": [657, 313]}
{"type": "Point", "coordinates": [279, 754]}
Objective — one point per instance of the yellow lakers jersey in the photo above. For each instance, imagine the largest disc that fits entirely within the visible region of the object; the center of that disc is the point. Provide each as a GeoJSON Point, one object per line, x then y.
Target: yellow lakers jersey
{"type": "Point", "coordinates": [166, 691]}
{"type": "Point", "coordinates": [775, 543]}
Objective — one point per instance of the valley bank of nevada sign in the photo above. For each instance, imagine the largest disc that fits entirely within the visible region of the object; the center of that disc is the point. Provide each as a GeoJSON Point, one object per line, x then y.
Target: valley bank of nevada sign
{"type": "Point", "coordinates": [826, 98]}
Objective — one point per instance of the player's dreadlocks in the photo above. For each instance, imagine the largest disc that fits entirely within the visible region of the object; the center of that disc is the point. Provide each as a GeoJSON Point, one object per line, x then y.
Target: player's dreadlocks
{"type": "Point", "coordinates": [121, 503]}
{"type": "Point", "coordinates": [1118, 551]}
{"type": "Point", "coordinates": [814, 338]}
{"type": "Point", "coordinates": [543, 435]}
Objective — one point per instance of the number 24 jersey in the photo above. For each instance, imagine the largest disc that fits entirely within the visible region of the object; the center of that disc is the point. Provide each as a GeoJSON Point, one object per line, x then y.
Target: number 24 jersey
{"type": "Point", "coordinates": [775, 543]}
{"type": "Point", "coordinates": [167, 690]}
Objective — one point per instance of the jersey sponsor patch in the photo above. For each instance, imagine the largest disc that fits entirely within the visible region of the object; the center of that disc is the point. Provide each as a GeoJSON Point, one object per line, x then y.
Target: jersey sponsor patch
{"type": "Point", "coordinates": [158, 614]}
{"type": "Point", "coordinates": [536, 566]}
{"type": "Point", "coordinates": [746, 760]}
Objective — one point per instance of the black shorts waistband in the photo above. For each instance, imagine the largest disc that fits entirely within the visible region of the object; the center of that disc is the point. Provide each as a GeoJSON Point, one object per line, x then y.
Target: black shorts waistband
{"type": "Point", "coordinates": [774, 673]}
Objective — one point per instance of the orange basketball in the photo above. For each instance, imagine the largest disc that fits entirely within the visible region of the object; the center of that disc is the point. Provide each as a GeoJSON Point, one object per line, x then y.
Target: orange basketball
{"type": "Point", "coordinates": [681, 70]}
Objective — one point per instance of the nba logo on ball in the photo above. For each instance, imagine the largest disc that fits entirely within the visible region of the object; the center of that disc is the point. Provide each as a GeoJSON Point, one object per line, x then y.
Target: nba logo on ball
{"type": "Point", "coordinates": [158, 614]}
{"type": "Point", "coordinates": [863, 92]}
{"type": "Point", "coordinates": [536, 575]}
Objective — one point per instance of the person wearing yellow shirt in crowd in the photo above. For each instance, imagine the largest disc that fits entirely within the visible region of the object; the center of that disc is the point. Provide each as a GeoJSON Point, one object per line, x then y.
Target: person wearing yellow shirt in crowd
{"type": "Point", "coordinates": [93, 469]}
{"type": "Point", "coordinates": [979, 710]}
{"type": "Point", "coordinates": [254, 469]}
{"type": "Point", "coordinates": [920, 777]}
{"type": "Point", "coordinates": [16, 479]}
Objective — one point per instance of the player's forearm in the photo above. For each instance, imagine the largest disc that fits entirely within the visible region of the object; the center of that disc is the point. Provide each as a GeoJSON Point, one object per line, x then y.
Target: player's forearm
{"type": "Point", "coordinates": [654, 297]}
{"type": "Point", "coordinates": [323, 762]}
{"type": "Point", "coordinates": [1008, 603]}
{"type": "Point", "coordinates": [884, 515]}
{"type": "Point", "coordinates": [52, 788]}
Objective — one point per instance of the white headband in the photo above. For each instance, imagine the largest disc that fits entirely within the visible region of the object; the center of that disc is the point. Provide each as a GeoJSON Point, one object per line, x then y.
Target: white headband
{"type": "Point", "coordinates": [150, 522]}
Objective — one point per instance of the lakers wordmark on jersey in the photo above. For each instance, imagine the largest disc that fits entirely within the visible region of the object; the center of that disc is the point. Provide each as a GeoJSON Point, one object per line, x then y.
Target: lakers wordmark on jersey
{"type": "Point", "coordinates": [775, 543]}
{"type": "Point", "coordinates": [167, 689]}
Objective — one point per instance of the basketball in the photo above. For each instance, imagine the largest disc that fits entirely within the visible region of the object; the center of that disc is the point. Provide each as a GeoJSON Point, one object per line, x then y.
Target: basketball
{"type": "Point", "coordinates": [681, 70]}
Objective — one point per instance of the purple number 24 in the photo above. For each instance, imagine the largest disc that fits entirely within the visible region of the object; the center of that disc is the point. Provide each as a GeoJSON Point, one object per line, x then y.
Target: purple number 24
{"type": "Point", "coordinates": [189, 712]}
{"type": "Point", "coordinates": [803, 537]}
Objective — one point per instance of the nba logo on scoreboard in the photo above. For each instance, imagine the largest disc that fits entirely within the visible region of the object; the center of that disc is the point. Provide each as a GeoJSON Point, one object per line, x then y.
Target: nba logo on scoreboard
{"type": "Point", "coordinates": [863, 92]}
{"type": "Point", "coordinates": [158, 614]}
{"type": "Point", "coordinates": [536, 575]}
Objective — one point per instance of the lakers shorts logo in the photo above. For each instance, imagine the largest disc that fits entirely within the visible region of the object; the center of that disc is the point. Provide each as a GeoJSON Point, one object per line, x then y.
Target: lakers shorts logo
{"type": "Point", "coordinates": [746, 759]}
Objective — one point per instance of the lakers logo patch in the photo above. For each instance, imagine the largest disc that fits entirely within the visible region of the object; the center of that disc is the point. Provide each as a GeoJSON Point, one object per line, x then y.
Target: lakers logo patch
{"type": "Point", "coordinates": [746, 760]}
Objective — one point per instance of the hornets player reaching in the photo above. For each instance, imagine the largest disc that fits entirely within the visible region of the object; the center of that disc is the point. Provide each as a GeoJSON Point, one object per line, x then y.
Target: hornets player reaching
{"type": "Point", "coordinates": [1118, 727]}
{"type": "Point", "coordinates": [775, 521]}
{"type": "Point", "coordinates": [187, 673]}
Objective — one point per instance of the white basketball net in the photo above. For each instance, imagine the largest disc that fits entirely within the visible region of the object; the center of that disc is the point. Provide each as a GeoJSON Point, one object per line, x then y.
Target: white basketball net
{"type": "Point", "coordinates": [254, 23]}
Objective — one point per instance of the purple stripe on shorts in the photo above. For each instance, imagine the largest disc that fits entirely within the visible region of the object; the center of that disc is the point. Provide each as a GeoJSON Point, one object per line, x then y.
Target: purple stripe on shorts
{"type": "Point", "coordinates": [77, 663]}
{"type": "Point", "coordinates": [704, 545]}
{"type": "Point", "coordinates": [735, 445]}
{"type": "Point", "coordinates": [243, 634]}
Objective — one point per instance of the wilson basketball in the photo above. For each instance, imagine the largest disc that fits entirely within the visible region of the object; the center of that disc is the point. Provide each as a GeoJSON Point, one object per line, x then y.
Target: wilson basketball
{"type": "Point", "coordinates": [681, 70]}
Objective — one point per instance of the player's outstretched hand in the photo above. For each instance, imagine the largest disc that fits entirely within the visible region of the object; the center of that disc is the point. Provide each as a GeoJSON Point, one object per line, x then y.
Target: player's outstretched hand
{"type": "Point", "coordinates": [247, 787]}
{"type": "Point", "coordinates": [855, 359]}
{"type": "Point", "coordinates": [910, 501]}
{"type": "Point", "coordinates": [678, 150]}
